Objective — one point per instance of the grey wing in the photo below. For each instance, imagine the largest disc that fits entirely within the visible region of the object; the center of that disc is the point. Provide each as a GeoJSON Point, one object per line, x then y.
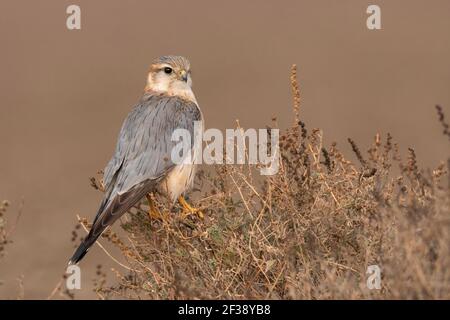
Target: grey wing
{"type": "Point", "coordinates": [142, 157]}
{"type": "Point", "coordinates": [143, 152]}
{"type": "Point", "coordinates": [149, 146]}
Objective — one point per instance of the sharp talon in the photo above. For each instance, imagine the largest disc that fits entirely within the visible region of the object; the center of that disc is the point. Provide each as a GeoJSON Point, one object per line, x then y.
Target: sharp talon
{"type": "Point", "coordinates": [188, 209]}
{"type": "Point", "coordinates": [153, 211]}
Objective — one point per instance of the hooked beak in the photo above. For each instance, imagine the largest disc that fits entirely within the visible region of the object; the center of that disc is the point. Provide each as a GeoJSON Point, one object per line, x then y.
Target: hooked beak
{"type": "Point", "coordinates": [184, 75]}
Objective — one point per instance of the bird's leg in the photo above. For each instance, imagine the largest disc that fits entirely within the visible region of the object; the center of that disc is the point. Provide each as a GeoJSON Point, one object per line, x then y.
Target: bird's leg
{"type": "Point", "coordinates": [153, 211]}
{"type": "Point", "coordinates": [188, 209]}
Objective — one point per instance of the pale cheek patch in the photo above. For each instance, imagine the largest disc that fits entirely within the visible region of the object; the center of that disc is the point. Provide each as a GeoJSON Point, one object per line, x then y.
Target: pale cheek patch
{"type": "Point", "coordinates": [158, 82]}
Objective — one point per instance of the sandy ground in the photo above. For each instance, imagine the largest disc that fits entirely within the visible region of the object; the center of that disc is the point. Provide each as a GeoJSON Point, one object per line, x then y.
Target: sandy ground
{"type": "Point", "coordinates": [64, 94]}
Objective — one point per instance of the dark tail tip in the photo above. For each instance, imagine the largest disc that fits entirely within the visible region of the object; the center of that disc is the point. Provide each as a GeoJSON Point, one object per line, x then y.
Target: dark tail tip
{"type": "Point", "coordinates": [79, 253]}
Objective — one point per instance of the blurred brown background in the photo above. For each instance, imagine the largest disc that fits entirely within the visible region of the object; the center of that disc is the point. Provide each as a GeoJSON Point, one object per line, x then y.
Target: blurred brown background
{"type": "Point", "coordinates": [64, 94]}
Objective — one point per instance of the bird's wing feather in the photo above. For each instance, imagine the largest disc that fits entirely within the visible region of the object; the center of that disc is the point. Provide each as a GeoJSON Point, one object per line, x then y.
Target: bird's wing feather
{"type": "Point", "coordinates": [142, 156]}
{"type": "Point", "coordinates": [144, 147]}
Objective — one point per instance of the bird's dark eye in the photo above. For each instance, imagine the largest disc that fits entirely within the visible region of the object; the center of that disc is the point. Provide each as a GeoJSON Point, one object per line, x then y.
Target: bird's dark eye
{"type": "Point", "coordinates": [168, 70]}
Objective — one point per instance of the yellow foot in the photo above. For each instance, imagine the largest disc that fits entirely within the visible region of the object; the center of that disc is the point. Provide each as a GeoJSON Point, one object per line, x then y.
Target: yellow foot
{"type": "Point", "coordinates": [153, 211]}
{"type": "Point", "coordinates": [188, 209]}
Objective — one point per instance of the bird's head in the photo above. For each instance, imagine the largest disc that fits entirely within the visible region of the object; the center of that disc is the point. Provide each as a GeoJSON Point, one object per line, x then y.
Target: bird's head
{"type": "Point", "coordinates": [171, 75]}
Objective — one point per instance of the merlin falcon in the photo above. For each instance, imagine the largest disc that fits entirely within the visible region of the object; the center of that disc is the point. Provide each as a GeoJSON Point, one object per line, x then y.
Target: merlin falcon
{"type": "Point", "coordinates": [142, 164]}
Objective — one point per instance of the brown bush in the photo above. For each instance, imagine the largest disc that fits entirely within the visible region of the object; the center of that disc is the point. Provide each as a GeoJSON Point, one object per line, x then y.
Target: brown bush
{"type": "Point", "coordinates": [308, 232]}
{"type": "Point", "coordinates": [4, 239]}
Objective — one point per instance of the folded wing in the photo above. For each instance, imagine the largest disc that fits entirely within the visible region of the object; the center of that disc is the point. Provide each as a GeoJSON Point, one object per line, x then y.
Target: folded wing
{"type": "Point", "coordinates": [141, 159]}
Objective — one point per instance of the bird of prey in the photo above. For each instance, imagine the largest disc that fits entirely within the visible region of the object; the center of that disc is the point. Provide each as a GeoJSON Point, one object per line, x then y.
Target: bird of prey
{"type": "Point", "coordinates": [142, 162]}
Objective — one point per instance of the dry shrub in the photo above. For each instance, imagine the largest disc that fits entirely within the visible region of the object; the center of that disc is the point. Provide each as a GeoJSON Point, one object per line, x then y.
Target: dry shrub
{"type": "Point", "coordinates": [4, 234]}
{"type": "Point", "coordinates": [5, 230]}
{"type": "Point", "coordinates": [308, 232]}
